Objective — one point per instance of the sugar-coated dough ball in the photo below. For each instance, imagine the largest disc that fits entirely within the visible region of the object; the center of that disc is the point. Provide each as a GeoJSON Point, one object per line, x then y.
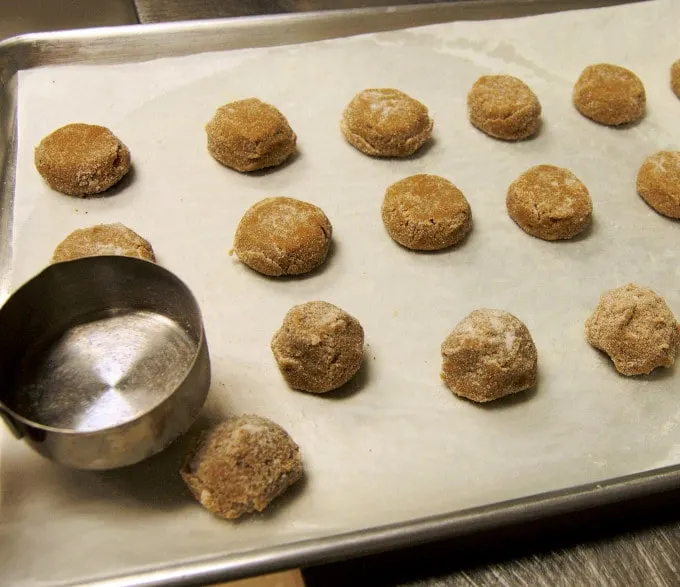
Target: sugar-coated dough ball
{"type": "Point", "coordinates": [386, 123]}
{"type": "Point", "coordinates": [549, 202]}
{"type": "Point", "coordinates": [283, 236]}
{"type": "Point", "coordinates": [609, 94]}
{"type": "Point", "coordinates": [242, 465]}
{"type": "Point", "coordinates": [426, 213]}
{"type": "Point", "coordinates": [82, 159]}
{"type": "Point", "coordinates": [658, 182]}
{"type": "Point", "coordinates": [488, 355]}
{"type": "Point", "coordinates": [319, 347]}
{"type": "Point", "coordinates": [103, 239]}
{"type": "Point", "coordinates": [636, 328]}
{"type": "Point", "coordinates": [675, 78]}
{"type": "Point", "coordinates": [248, 135]}
{"type": "Point", "coordinates": [504, 107]}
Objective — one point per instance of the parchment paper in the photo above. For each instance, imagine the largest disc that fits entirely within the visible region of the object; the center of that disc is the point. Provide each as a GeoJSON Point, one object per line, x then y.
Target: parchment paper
{"type": "Point", "coordinates": [394, 444]}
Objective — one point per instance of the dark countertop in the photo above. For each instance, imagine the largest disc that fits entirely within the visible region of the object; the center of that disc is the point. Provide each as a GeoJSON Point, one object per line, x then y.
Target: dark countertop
{"type": "Point", "coordinates": [625, 544]}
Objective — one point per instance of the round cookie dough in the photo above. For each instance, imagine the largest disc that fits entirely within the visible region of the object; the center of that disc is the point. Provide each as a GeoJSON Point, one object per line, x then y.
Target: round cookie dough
{"type": "Point", "coordinates": [283, 236]}
{"type": "Point", "coordinates": [675, 78]}
{"type": "Point", "coordinates": [82, 159]}
{"type": "Point", "coordinates": [426, 213]}
{"type": "Point", "coordinates": [319, 347]}
{"type": "Point", "coordinates": [488, 355]}
{"type": "Point", "coordinates": [241, 466]}
{"type": "Point", "coordinates": [103, 239]}
{"type": "Point", "coordinates": [658, 182]}
{"type": "Point", "coordinates": [248, 135]}
{"type": "Point", "coordinates": [636, 328]}
{"type": "Point", "coordinates": [549, 202]}
{"type": "Point", "coordinates": [609, 94]}
{"type": "Point", "coordinates": [386, 123]}
{"type": "Point", "coordinates": [504, 107]}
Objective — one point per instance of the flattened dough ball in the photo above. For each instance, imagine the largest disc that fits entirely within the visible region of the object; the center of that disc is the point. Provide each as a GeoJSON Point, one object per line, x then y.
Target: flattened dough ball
{"type": "Point", "coordinates": [319, 347]}
{"type": "Point", "coordinates": [488, 355]}
{"type": "Point", "coordinates": [675, 78]}
{"type": "Point", "coordinates": [504, 107]}
{"type": "Point", "coordinates": [103, 239]}
{"type": "Point", "coordinates": [549, 202]}
{"type": "Point", "coordinates": [426, 212]}
{"type": "Point", "coordinates": [386, 123]}
{"type": "Point", "coordinates": [241, 466]}
{"type": "Point", "coordinates": [658, 182]}
{"type": "Point", "coordinates": [82, 159]}
{"type": "Point", "coordinates": [283, 236]}
{"type": "Point", "coordinates": [247, 135]}
{"type": "Point", "coordinates": [609, 94]}
{"type": "Point", "coordinates": [636, 328]}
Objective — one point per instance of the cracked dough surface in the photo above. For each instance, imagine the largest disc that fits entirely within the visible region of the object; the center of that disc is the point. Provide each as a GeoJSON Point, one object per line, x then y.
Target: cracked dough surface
{"type": "Point", "coordinates": [283, 236]}
{"type": "Point", "coordinates": [636, 328]}
{"type": "Point", "coordinates": [549, 202]}
{"type": "Point", "coordinates": [319, 347]}
{"type": "Point", "coordinates": [488, 355]}
{"type": "Point", "coordinates": [426, 213]}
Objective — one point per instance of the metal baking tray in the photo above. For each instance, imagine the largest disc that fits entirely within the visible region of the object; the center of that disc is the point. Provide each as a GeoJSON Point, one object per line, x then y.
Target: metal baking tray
{"type": "Point", "coordinates": [144, 42]}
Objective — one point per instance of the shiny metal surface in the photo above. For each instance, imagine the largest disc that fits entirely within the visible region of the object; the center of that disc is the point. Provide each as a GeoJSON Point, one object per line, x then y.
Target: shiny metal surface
{"type": "Point", "coordinates": [150, 11]}
{"type": "Point", "coordinates": [103, 361]}
{"type": "Point", "coordinates": [143, 43]}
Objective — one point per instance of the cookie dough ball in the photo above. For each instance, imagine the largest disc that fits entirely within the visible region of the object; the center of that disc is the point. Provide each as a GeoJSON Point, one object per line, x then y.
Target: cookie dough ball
{"type": "Point", "coordinates": [426, 213]}
{"type": "Point", "coordinates": [504, 107]}
{"type": "Point", "coordinates": [247, 135]}
{"type": "Point", "coordinates": [636, 328]}
{"type": "Point", "coordinates": [103, 239]}
{"type": "Point", "coordinates": [386, 123]}
{"type": "Point", "coordinates": [609, 94]}
{"type": "Point", "coordinates": [658, 182]}
{"type": "Point", "coordinates": [241, 466]}
{"type": "Point", "coordinates": [319, 347]}
{"type": "Point", "coordinates": [488, 355]}
{"type": "Point", "coordinates": [549, 202]}
{"type": "Point", "coordinates": [82, 159]}
{"type": "Point", "coordinates": [675, 78]}
{"type": "Point", "coordinates": [283, 236]}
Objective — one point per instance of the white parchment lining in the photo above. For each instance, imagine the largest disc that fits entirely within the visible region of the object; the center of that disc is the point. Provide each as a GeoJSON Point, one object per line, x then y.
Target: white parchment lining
{"type": "Point", "coordinates": [395, 444]}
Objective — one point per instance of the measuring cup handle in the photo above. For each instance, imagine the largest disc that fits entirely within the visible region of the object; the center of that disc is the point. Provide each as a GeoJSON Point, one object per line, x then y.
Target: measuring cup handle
{"type": "Point", "coordinates": [12, 424]}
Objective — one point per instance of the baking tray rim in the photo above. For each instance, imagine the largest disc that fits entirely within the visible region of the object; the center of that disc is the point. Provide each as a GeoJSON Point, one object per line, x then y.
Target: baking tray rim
{"type": "Point", "coordinates": [111, 45]}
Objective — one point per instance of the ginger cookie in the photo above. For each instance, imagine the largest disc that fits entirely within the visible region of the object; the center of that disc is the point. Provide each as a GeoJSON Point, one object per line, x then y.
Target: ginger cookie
{"type": "Point", "coordinates": [636, 328]}
{"type": "Point", "coordinates": [319, 347]}
{"type": "Point", "coordinates": [504, 107]}
{"type": "Point", "coordinates": [241, 466]}
{"type": "Point", "coordinates": [82, 159]}
{"type": "Point", "coordinates": [386, 123]}
{"type": "Point", "coordinates": [609, 94]}
{"type": "Point", "coordinates": [283, 236]}
{"type": "Point", "coordinates": [658, 182]}
{"type": "Point", "coordinates": [488, 355]}
{"type": "Point", "coordinates": [103, 239]}
{"type": "Point", "coordinates": [426, 213]}
{"type": "Point", "coordinates": [549, 202]}
{"type": "Point", "coordinates": [248, 135]}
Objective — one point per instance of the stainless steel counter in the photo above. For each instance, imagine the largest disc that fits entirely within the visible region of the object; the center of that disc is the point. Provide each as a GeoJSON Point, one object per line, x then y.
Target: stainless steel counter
{"type": "Point", "coordinates": [632, 543]}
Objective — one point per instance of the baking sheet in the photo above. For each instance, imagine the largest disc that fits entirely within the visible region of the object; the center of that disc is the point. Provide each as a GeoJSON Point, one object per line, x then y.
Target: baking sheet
{"type": "Point", "coordinates": [394, 444]}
